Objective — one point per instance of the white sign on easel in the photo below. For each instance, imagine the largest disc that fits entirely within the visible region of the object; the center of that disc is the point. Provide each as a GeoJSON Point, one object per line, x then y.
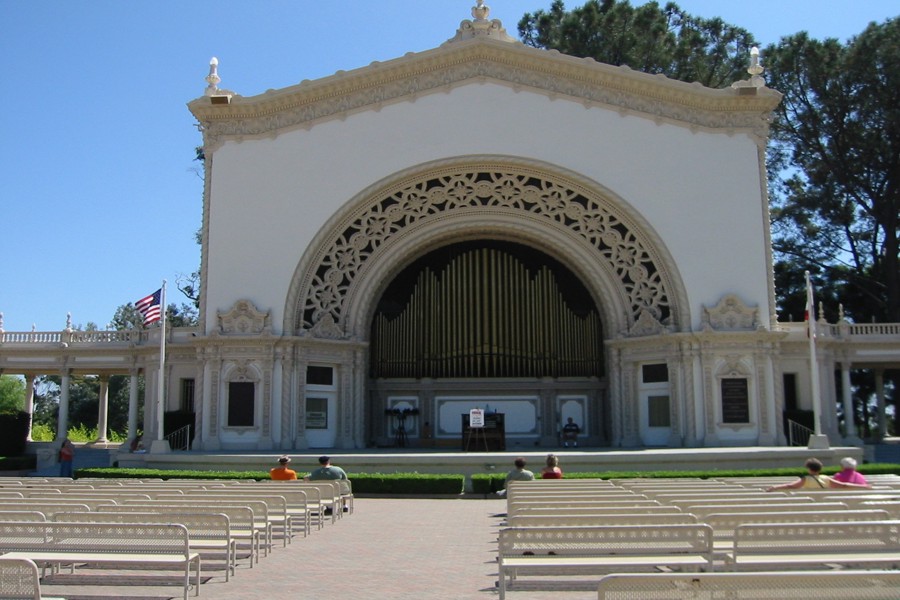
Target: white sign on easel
{"type": "Point", "coordinates": [476, 418]}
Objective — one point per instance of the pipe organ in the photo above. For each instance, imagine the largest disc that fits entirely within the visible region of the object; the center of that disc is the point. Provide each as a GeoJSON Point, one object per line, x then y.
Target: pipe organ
{"type": "Point", "coordinates": [486, 313]}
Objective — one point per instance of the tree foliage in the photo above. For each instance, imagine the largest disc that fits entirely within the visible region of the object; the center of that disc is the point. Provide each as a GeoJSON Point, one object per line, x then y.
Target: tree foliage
{"type": "Point", "coordinates": [834, 164]}
{"type": "Point", "coordinates": [647, 38]}
{"type": "Point", "coordinates": [12, 394]}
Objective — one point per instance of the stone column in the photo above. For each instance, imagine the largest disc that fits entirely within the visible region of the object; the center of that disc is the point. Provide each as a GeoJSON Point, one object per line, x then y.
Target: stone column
{"type": "Point", "coordinates": [103, 410]}
{"type": "Point", "coordinates": [62, 419]}
{"type": "Point", "coordinates": [132, 404]}
{"type": "Point", "coordinates": [879, 398]}
{"type": "Point", "coordinates": [29, 402]}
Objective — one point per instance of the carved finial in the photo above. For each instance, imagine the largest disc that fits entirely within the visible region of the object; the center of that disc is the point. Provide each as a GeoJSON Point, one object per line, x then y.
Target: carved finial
{"type": "Point", "coordinates": [1, 322]}
{"type": "Point", "coordinates": [481, 26]}
{"type": "Point", "coordinates": [755, 70]}
{"type": "Point", "coordinates": [213, 78]}
{"type": "Point", "coordinates": [480, 11]}
{"type": "Point", "coordinates": [69, 321]}
{"type": "Point", "coordinates": [841, 316]}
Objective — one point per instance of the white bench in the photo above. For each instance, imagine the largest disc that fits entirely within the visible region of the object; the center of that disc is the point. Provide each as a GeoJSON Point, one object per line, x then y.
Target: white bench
{"type": "Point", "coordinates": [259, 509]}
{"type": "Point", "coordinates": [242, 524]}
{"type": "Point", "coordinates": [206, 531]}
{"type": "Point", "coordinates": [51, 508]}
{"type": "Point", "coordinates": [724, 524]}
{"type": "Point", "coordinates": [57, 544]}
{"type": "Point", "coordinates": [593, 520]}
{"type": "Point", "coordinates": [20, 580]}
{"type": "Point", "coordinates": [519, 506]}
{"type": "Point", "coordinates": [275, 512]}
{"type": "Point", "coordinates": [846, 543]}
{"type": "Point", "coordinates": [595, 550]}
{"type": "Point", "coordinates": [799, 585]}
{"type": "Point", "coordinates": [650, 509]}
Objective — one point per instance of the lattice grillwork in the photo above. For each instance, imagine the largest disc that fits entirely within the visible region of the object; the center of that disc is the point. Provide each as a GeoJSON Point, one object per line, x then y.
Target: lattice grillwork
{"type": "Point", "coordinates": [500, 191]}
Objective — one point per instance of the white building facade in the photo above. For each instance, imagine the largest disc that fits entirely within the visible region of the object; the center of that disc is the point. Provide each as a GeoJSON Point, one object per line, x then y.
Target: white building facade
{"type": "Point", "coordinates": [488, 225]}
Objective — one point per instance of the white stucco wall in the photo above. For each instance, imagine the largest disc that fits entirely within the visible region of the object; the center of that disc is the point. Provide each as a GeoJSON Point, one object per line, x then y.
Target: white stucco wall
{"type": "Point", "coordinates": [700, 191]}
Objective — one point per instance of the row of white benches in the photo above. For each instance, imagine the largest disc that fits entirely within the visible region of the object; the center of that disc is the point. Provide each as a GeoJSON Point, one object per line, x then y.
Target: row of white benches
{"type": "Point", "coordinates": [555, 529]}
{"type": "Point", "coordinates": [109, 524]}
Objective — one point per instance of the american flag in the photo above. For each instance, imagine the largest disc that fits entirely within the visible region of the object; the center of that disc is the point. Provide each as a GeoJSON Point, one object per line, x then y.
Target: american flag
{"type": "Point", "coordinates": [149, 307]}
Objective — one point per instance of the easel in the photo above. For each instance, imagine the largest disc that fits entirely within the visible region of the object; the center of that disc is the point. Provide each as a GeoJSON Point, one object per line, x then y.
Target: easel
{"type": "Point", "coordinates": [476, 428]}
{"type": "Point", "coordinates": [476, 432]}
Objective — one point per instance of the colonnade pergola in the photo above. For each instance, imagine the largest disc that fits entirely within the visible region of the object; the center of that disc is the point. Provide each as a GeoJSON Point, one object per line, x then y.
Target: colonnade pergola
{"type": "Point", "coordinates": [842, 348]}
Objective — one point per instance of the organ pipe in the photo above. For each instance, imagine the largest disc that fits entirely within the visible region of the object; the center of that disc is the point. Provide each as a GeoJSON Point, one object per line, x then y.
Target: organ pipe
{"type": "Point", "coordinates": [486, 315]}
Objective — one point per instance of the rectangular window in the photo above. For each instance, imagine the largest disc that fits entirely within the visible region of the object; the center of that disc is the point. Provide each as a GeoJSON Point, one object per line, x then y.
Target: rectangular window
{"type": "Point", "coordinates": [658, 411]}
{"type": "Point", "coordinates": [735, 400]}
{"type": "Point", "coordinates": [187, 395]}
{"type": "Point", "coordinates": [319, 375]}
{"type": "Point", "coordinates": [240, 403]}
{"type": "Point", "coordinates": [317, 413]}
{"type": "Point", "coordinates": [656, 373]}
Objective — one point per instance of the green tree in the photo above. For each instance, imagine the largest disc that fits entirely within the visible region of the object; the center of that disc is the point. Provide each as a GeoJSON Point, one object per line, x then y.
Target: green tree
{"type": "Point", "coordinates": [834, 167]}
{"type": "Point", "coordinates": [12, 394]}
{"type": "Point", "coordinates": [647, 38]}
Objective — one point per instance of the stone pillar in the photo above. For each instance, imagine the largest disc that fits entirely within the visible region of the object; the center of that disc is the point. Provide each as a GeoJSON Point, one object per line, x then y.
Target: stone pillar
{"type": "Point", "coordinates": [103, 410]}
{"type": "Point", "coordinates": [29, 402]}
{"type": "Point", "coordinates": [62, 419]}
{"type": "Point", "coordinates": [879, 398]}
{"type": "Point", "coordinates": [132, 404]}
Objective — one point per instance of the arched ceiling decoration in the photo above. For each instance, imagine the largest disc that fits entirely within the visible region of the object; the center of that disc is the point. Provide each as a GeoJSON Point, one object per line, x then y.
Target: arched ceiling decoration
{"type": "Point", "coordinates": [321, 289]}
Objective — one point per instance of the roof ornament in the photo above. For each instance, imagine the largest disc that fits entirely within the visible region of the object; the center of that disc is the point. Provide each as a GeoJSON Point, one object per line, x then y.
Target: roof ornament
{"type": "Point", "coordinates": [213, 78]}
{"type": "Point", "coordinates": [216, 95]}
{"type": "Point", "coordinates": [480, 26]}
{"type": "Point", "coordinates": [749, 86]}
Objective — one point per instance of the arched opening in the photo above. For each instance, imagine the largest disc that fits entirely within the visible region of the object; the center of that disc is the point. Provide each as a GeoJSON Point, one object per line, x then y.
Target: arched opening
{"type": "Point", "coordinates": [486, 309]}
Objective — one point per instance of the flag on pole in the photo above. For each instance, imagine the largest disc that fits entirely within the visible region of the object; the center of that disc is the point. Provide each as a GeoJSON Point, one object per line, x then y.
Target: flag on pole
{"type": "Point", "coordinates": [150, 307]}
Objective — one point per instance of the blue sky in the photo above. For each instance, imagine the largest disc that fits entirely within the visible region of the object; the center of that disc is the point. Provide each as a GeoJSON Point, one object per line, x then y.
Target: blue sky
{"type": "Point", "coordinates": [99, 192]}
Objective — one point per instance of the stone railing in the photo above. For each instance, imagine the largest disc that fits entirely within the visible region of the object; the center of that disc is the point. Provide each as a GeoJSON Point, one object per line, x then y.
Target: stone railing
{"type": "Point", "coordinates": [125, 336]}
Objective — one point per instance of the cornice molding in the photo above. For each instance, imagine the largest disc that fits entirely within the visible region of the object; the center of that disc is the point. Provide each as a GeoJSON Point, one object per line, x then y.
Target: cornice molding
{"type": "Point", "coordinates": [517, 65]}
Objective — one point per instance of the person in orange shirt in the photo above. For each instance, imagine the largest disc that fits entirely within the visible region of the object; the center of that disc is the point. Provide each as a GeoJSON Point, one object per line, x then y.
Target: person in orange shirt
{"type": "Point", "coordinates": [282, 472]}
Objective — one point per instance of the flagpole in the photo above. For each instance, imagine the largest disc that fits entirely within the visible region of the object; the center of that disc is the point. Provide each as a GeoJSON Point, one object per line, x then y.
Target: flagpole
{"type": "Point", "coordinates": [818, 440]}
{"type": "Point", "coordinates": [160, 445]}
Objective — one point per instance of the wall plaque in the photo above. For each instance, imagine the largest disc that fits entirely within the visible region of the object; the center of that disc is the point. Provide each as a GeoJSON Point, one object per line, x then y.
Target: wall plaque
{"type": "Point", "coordinates": [735, 400]}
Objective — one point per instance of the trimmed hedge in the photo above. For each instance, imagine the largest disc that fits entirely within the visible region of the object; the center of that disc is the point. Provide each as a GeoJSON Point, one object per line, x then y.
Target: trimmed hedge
{"type": "Point", "coordinates": [484, 483]}
{"type": "Point", "coordinates": [363, 483]}
{"type": "Point", "coordinates": [442, 485]}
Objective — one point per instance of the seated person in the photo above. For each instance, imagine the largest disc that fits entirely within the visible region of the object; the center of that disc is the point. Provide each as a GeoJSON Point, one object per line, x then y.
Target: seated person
{"type": "Point", "coordinates": [814, 480]}
{"type": "Point", "coordinates": [570, 433]}
{"type": "Point", "coordinates": [282, 472]}
{"type": "Point", "coordinates": [552, 470]}
{"type": "Point", "coordinates": [520, 473]}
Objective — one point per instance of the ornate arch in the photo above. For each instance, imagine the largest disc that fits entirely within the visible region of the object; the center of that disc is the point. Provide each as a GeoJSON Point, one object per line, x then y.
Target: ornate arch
{"type": "Point", "coordinates": [619, 256]}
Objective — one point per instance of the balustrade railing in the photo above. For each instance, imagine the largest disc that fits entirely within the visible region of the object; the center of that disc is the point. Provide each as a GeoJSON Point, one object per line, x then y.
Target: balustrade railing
{"type": "Point", "coordinates": [74, 337]}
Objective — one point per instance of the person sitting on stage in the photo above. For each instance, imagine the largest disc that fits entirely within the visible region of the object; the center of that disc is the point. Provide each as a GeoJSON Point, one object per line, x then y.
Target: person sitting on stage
{"type": "Point", "coordinates": [570, 433]}
{"type": "Point", "coordinates": [814, 480]}
{"type": "Point", "coordinates": [282, 472]}
{"type": "Point", "coordinates": [552, 470]}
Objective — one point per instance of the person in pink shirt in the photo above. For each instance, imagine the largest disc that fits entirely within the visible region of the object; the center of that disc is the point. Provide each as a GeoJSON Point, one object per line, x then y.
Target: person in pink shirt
{"type": "Point", "coordinates": [849, 473]}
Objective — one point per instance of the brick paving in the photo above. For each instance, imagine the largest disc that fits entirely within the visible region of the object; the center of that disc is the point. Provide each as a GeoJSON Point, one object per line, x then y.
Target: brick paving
{"type": "Point", "coordinates": [398, 549]}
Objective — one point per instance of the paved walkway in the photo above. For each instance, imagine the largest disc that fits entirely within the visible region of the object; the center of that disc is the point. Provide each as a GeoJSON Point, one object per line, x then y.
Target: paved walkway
{"type": "Point", "coordinates": [397, 549]}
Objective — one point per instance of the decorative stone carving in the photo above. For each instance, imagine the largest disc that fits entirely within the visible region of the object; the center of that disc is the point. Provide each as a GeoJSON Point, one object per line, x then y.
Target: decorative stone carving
{"type": "Point", "coordinates": [460, 192]}
{"type": "Point", "coordinates": [730, 314]}
{"type": "Point", "coordinates": [481, 26]}
{"type": "Point", "coordinates": [646, 324]}
{"type": "Point", "coordinates": [244, 319]}
{"type": "Point", "coordinates": [551, 73]}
